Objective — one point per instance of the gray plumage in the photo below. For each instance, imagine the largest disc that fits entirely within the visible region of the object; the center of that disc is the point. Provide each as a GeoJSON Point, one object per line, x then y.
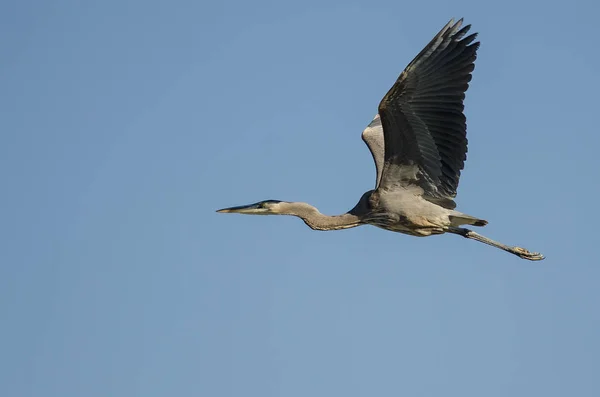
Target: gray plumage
{"type": "Point", "coordinates": [418, 142]}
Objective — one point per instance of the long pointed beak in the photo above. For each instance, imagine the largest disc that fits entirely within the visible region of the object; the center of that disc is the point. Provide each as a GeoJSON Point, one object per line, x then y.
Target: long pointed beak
{"type": "Point", "coordinates": [252, 209]}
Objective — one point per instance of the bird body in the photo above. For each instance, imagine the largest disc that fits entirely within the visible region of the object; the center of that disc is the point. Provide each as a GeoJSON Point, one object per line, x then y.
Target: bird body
{"type": "Point", "coordinates": [418, 143]}
{"type": "Point", "coordinates": [406, 211]}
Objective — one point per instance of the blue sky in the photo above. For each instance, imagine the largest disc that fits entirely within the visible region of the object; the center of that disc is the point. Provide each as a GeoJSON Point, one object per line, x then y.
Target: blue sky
{"type": "Point", "coordinates": [126, 124]}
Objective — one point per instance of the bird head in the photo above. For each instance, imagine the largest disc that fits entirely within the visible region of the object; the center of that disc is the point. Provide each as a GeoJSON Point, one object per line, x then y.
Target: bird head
{"type": "Point", "coordinates": [267, 207]}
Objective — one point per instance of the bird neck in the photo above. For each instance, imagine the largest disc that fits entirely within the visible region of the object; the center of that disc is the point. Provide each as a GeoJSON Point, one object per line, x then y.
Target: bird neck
{"type": "Point", "coordinates": [318, 221]}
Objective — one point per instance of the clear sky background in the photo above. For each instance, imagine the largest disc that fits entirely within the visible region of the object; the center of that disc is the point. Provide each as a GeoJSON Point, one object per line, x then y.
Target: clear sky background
{"type": "Point", "coordinates": [125, 124]}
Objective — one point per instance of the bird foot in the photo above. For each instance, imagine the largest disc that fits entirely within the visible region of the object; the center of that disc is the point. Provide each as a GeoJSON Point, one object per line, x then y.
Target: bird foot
{"type": "Point", "coordinates": [525, 254]}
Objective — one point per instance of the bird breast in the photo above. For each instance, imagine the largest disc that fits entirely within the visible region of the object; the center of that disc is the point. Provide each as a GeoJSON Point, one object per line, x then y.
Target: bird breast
{"type": "Point", "coordinates": [410, 213]}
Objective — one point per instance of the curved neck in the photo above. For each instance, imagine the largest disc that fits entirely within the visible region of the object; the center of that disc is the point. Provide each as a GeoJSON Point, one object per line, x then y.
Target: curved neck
{"type": "Point", "coordinates": [317, 221]}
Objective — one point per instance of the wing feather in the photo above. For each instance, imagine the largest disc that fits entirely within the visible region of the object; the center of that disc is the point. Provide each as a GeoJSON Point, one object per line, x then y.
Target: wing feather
{"type": "Point", "coordinates": [422, 116]}
{"type": "Point", "coordinates": [372, 136]}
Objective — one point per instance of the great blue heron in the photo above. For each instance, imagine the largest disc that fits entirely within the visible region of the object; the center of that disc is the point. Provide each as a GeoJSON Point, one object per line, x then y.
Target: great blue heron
{"type": "Point", "coordinates": [419, 145]}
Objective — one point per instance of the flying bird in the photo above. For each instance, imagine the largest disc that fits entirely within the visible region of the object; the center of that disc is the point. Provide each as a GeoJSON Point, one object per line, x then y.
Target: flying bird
{"type": "Point", "coordinates": [418, 143]}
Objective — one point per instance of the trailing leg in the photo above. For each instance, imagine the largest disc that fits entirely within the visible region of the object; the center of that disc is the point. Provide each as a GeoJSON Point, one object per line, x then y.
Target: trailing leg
{"type": "Point", "coordinates": [520, 252]}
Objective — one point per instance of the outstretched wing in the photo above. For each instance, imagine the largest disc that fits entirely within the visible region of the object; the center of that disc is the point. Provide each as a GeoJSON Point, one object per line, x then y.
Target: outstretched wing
{"type": "Point", "coordinates": [422, 117]}
{"type": "Point", "coordinates": [373, 137]}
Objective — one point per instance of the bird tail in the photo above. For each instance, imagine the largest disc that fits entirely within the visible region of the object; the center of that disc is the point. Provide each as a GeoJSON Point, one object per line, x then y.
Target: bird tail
{"type": "Point", "coordinates": [459, 219]}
